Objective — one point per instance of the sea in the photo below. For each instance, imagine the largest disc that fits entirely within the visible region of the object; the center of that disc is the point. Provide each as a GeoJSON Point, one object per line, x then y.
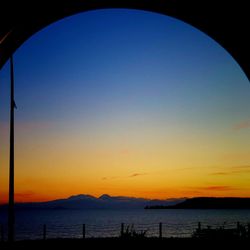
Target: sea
{"type": "Point", "coordinates": [73, 223]}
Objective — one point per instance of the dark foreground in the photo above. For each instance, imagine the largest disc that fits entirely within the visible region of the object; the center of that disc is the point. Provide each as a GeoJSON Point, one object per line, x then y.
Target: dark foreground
{"type": "Point", "coordinates": [118, 243]}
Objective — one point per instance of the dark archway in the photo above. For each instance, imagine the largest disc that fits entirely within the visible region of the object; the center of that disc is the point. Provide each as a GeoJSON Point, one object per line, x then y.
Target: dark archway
{"type": "Point", "coordinates": [225, 21]}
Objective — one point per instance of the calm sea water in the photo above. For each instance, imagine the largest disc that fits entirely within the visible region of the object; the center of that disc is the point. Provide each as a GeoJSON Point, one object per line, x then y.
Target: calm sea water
{"type": "Point", "coordinates": [106, 223]}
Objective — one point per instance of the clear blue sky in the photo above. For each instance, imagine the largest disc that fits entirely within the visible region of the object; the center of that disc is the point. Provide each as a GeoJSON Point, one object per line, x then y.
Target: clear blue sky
{"type": "Point", "coordinates": [91, 58]}
{"type": "Point", "coordinates": [120, 74]}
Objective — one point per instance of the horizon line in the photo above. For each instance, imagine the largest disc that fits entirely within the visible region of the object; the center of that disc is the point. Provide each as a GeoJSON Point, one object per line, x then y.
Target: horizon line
{"type": "Point", "coordinates": [132, 197]}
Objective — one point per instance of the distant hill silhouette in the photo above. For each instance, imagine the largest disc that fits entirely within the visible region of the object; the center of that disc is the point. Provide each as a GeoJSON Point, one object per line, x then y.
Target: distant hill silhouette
{"type": "Point", "coordinates": [208, 203]}
{"type": "Point", "coordinates": [105, 201]}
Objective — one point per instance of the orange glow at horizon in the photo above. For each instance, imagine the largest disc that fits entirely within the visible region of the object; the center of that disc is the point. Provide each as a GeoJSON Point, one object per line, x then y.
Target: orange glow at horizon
{"type": "Point", "coordinates": [52, 163]}
{"type": "Point", "coordinates": [48, 169]}
{"type": "Point", "coordinates": [135, 170]}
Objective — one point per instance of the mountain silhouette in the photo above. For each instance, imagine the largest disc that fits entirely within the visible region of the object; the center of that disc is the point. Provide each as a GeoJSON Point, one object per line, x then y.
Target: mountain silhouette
{"type": "Point", "coordinates": [208, 203]}
{"type": "Point", "coordinates": [105, 201]}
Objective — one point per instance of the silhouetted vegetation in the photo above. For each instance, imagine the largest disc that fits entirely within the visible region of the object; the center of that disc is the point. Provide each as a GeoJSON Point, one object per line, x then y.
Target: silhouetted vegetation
{"type": "Point", "coordinates": [130, 232]}
{"type": "Point", "coordinates": [220, 233]}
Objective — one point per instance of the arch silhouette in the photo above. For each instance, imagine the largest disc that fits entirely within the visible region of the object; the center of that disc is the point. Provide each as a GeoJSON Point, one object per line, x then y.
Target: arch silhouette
{"type": "Point", "coordinates": [227, 22]}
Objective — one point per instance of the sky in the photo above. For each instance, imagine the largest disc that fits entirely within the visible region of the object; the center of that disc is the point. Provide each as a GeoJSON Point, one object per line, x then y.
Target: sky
{"type": "Point", "coordinates": [125, 102]}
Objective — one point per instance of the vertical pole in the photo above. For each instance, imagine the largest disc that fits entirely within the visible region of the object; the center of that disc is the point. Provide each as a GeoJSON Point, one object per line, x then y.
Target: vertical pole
{"type": "Point", "coordinates": [2, 233]}
{"type": "Point", "coordinates": [11, 212]}
{"type": "Point", "coordinates": [122, 229]}
{"type": "Point", "coordinates": [44, 232]}
{"type": "Point", "coordinates": [160, 230]}
{"type": "Point", "coordinates": [199, 226]}
{"type": "Point", "coordinates": [83, 231]}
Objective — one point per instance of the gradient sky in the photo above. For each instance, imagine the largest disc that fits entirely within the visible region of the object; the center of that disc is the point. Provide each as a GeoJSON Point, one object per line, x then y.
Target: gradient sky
{"type": "Point", "coordinates": [126, 103]}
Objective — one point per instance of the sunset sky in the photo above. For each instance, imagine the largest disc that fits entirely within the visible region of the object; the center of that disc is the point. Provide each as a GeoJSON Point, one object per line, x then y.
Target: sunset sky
{"type": "Point", "coordinates": [125, 103]}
